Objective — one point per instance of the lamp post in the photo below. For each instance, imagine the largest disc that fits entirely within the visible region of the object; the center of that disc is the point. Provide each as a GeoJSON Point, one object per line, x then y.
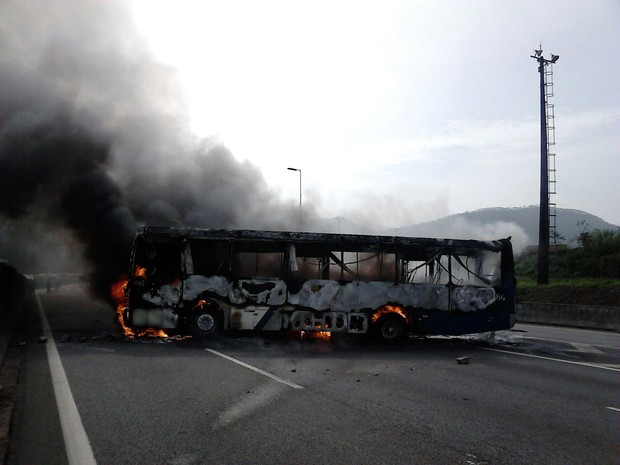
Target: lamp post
{"type": "Point", "coordinates": [297, 169]}
{"type": "Point", "coordinates": [543, 219]}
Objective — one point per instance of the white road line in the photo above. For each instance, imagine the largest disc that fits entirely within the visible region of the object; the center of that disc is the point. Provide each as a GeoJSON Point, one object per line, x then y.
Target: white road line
{"type": "Point", "coordinates": [564, 329]}
{"type": "Point", "coordinates": [585, 348]}
{"type": "Point", "coordinates": [257, 370]}
{"type": "Point", "coordinates": [591, 365]}
{"type": "Point", "coordinates": [79, 451]}
{"type": "Point", "coordinates": [614, 409]}
{"type": "Point", "coordinates": [581, 347]}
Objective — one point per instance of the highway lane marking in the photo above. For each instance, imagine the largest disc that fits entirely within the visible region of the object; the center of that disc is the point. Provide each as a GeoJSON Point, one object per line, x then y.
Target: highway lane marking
{"type": "Point", "coordinates": [257, 370]}
{"type": "Point", "coordinates": [591, 365]}
{"type": "Point", "coordinates": [579, 346]}
{"type": "Point", "coordinates": [580, 331]}
{"type": "Point", "coordinates": [77, 445]}
{"type": "Point", "coordinates": [614, 409]}
{"type": "Point", "coordinates": [569, 330]}
{"type": "Point", "coordinates": [585, 348]}
{"type": "Point", "coordinates": [261, 397]}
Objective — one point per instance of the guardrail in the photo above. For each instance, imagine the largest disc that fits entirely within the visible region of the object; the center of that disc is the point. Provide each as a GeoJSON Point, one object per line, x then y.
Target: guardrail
{"type": "Point", "coordinates": [578, 316]}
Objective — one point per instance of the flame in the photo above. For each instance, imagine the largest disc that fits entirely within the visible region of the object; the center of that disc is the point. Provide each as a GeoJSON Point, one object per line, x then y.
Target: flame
{"type": "Point", "coordinates": [140, 272]}
{"type": "Point", "coordinates": [388, 309]}
{"type": "Point", "coordinates": [118, 291]}
{"type": "Point", "coordinates": [323, 335]}
{"type": "Point", "coordinates": [315, 335]}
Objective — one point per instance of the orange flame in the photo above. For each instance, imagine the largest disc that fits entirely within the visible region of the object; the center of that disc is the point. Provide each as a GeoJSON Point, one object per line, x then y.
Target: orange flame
{"type": "Point", "coordinates": [388, 309]}
{"type": "Point", "coordinates": [118, 291]}
{"type": "Point", "coordinates": [315, 335]}
{"type": "Point", "coordinates": [140, 272]}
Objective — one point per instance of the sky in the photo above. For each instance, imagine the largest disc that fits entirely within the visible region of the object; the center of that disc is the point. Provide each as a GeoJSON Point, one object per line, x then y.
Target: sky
{"type": "Point", "coordinates": [401, 111]}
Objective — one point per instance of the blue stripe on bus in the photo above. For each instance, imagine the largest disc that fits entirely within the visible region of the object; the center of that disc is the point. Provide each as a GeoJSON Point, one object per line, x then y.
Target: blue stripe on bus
{"type": "Point", "coordinates": [266, 317]}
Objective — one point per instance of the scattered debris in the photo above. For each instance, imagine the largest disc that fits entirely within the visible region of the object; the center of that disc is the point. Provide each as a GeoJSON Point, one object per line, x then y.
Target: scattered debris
{"type": "Point", "coordinates": [462, 360]}
{"type": "Point", "coordinates": [475, 460]}
{"type": "Point", "coordinates": [42, 339]}
{"type": "Point", "coordinates": [293, 370]}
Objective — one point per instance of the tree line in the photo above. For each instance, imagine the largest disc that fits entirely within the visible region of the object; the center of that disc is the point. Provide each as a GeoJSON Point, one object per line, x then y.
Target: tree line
{"type": "Point", "coordinates": [596, 256]}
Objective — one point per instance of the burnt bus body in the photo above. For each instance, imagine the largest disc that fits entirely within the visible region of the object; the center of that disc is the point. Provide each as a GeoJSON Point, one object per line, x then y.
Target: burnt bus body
{"type": "Point", "coordinates": [200, 282]}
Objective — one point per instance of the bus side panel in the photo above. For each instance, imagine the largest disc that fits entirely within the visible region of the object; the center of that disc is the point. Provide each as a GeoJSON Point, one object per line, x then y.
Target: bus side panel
{"type": "Point", "coordinates": [436, 322]}
{"type": "Point", "coordinates": [320, 294]}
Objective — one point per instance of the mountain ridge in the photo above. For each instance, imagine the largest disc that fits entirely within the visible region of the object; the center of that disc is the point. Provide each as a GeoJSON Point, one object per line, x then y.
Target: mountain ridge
{"type": "Point", "coordinates": [519, 222]}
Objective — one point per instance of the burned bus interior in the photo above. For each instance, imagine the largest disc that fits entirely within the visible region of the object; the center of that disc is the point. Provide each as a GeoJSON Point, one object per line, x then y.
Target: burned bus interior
{"type": "Point", "coordinates": [350, 258]}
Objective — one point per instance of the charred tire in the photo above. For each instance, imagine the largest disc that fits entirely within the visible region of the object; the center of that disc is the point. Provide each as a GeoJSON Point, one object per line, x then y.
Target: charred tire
{"type": "Point", "coordinates": [391, 328]}
{"type": "Point", "coordinates": [204, 322]}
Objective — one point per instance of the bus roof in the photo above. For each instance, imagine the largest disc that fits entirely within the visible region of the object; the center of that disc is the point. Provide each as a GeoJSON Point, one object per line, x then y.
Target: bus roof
{"type": "Point", "coordinates": [353, 242]}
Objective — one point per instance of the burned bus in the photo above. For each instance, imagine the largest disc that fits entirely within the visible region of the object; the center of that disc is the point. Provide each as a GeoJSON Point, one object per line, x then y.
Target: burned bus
{"type": "Point", "coordinates": [203, 282]}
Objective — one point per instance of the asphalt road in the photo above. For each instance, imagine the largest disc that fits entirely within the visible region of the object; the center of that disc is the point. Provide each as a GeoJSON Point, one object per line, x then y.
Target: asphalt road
{"type": "Point", "coordinates": [535, 395]}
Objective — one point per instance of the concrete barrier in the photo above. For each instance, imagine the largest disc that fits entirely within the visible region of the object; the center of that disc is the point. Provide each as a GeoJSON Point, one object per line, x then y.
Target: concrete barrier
{"type": "Point", "coordinates": [579, 316]}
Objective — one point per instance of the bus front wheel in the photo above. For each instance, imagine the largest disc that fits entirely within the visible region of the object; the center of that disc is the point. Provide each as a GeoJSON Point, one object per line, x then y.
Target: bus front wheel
{"type": "Point", "coordinates": [392, 328]}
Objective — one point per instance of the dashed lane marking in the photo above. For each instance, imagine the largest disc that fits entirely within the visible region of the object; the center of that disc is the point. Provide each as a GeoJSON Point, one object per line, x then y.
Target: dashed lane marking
{"type": "Point", "coordinates": [579, 346]}
{"type": "Point", "coordinates": [585, 348]}
{"type": "Point", "coordinates": [591, 365]}
{"type": "Point", "coordinates": [257, 370]}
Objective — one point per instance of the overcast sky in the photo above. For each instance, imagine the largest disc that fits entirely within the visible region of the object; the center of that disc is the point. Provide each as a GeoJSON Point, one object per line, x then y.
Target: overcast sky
{"type": "Point", "coordinates": [402, 110]}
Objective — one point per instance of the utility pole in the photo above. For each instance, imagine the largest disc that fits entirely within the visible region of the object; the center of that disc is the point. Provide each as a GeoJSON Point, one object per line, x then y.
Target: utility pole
{"type": "Point", "coordinates": [543, 219]}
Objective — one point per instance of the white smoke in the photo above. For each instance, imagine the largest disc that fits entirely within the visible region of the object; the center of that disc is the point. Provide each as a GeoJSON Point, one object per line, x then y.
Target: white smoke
{"type": "Point", "coordinates": [461, 228]}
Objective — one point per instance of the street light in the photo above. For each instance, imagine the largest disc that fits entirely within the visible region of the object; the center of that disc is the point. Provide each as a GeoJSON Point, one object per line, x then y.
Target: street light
{"type": "Point", "coordinates": [297, 169]}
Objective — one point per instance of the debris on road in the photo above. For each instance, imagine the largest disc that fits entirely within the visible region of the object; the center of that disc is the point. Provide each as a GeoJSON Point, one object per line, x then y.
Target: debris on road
{"type": "Point", "coordinates": [462, 360]}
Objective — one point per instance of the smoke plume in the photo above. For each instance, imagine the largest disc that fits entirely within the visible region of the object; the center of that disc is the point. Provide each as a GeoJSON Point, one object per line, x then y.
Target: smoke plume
{"type": "Point", "coordinates": [94, 142]}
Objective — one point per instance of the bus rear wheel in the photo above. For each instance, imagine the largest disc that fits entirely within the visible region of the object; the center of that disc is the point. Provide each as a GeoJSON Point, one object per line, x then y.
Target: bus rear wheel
{"type": "Point", "coordinates": [392, 328]}
{"type": "Point", "coordinates": [204, 322]}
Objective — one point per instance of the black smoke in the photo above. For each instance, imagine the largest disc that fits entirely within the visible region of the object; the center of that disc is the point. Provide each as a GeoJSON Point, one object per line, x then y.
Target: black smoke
{"type": "Point", "coordinates": [54, 173]}
{"type": "Point", "coordinates": [94, 142]}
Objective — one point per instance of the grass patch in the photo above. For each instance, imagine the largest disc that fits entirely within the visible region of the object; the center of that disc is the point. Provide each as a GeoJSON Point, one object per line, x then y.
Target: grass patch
{"type": "Point", "coordinates": [527, 282]}
{"type": "Point", "coordinates": [583, 291]}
